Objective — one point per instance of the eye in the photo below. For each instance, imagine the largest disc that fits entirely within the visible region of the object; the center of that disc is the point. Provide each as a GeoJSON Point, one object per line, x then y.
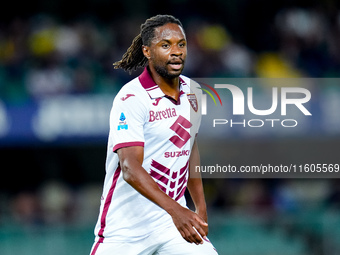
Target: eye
{"type": "Point", "coordinates": [182, 45]}
{"type": "Point", "coordinates": [165, 45]}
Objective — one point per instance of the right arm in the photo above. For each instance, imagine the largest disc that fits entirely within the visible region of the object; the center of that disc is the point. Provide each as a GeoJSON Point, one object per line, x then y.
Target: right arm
{"type": "Point", "coordinates": [131, 159]}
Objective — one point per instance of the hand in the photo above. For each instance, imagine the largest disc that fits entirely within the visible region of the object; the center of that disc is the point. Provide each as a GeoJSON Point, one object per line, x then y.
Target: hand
{"type": "Point", "coordinates": [191, 226]}
{"type": "Point", "coordinates": [204, 216]}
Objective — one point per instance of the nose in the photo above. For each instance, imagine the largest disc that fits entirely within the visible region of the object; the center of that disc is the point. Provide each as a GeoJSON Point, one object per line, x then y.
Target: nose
{"type": "Point", "coordinates": [176, 51]}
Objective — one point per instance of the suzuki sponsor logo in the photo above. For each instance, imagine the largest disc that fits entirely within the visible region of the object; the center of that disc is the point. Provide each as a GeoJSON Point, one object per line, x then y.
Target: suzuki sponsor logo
{"type": "Point", "coordinates": [176, 154]}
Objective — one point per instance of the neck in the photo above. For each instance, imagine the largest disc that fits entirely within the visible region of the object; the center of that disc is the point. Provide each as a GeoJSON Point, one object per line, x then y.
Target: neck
{"type": "Point", "coordinates": [170, 87]}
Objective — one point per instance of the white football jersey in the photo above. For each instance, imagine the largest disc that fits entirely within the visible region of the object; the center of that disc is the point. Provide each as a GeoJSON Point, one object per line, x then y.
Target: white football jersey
{"type": "Point", "coordinates": [142, 115]}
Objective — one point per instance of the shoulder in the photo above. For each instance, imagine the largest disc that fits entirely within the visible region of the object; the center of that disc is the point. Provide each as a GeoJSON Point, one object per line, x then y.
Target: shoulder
{"type": "Point", "coordinates": [132, 87]}
{"type": "Point", "coordinates": [132, 92]}
{"type": "Point", "coordinates": [132, 100]}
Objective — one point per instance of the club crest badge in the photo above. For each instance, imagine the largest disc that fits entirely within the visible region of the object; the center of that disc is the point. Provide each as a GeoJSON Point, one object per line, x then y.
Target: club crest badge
{"type": "Point", "coordinates": [193, 101]}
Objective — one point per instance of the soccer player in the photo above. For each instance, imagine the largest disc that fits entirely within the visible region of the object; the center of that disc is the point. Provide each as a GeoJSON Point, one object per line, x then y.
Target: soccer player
{"type": "Point", "coordinates": [152, 153]}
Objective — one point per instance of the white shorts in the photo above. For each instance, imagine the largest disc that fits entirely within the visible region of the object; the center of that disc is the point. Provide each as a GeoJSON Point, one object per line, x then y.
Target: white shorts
{"type": "Point", "coordinates": [163, 242]}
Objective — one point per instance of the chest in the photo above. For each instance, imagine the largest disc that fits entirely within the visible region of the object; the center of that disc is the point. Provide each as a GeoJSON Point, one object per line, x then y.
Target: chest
{"type": "Point", "coordinates": [168, 121]}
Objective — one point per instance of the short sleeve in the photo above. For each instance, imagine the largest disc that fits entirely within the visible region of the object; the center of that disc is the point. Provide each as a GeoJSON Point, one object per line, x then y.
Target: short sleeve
{"type": "Point", "coordinates": [127, 118]}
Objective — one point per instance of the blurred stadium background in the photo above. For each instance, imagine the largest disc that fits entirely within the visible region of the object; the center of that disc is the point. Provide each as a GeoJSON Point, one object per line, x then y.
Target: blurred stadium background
{"type": "Point", "coordinates": [56, 88]}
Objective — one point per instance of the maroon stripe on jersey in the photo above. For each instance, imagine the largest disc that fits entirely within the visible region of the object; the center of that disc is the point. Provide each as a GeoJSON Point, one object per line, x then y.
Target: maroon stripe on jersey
{"type": "Point", "coordinates": [184, 168]}
{"type": "Point", "coordinates": [163, 169]}
{"type": "Point", "coordinates": [95, 248]}
{"type": "Point", "coordinates": [172, 184]}
{"type": "Point", "coordinates": [162, 188]}
{"type": "Point", "coordinates": [173, 100]}
{"type": "Point", "coordinates": [174, 175]}
{"type": "Point", "coordinates": [182, 181]}
{"type": "Point", "coordinates": [128, 144]}
{"type": "Point", "coordinates": [146, 80]}
{"type": "Point", "coordinates": [148, 83]}
{"type": "Point", "coordinates": [107, 204]}
{"type": "Point", "coordinates": [160, 167]}
{"type": "Point", "coordinates": [182, 82]}
{"type": "Point", "coordinates": [182, 193]}
{"type": "Point", "coordinates": [159, 177]}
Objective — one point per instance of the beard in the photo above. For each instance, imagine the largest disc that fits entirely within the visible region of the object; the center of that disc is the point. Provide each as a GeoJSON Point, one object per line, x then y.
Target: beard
{"type": "Point", "coordinates": [163, 71]}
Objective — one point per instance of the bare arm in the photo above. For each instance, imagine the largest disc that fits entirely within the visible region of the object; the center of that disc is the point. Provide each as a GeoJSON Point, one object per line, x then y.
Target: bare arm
{"type": "Point", "coordinates": [131, 159]}
{"type": "Point", "coordinates": [195, 186]}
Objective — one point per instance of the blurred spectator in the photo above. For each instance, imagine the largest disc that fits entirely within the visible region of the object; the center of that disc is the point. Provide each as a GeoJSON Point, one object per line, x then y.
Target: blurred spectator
{"type": "Point", "coordinates": [238, 60]}
{"type": "Point", "coordinates": [48, 79]}
{"type": "Point", "coordinates": [273, 65]}
{"type": "Point", "coordinates": [26, 208]}
{"type": "Point", "coordinates": [57, 202]}
{"type": "Point", "coordinates": [303, 39]}
{"type": "Point", "coordinates": [59, 57]}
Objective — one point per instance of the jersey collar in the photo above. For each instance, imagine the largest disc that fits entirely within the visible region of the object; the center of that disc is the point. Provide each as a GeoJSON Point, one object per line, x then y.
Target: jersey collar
{"type": "Point", "coordinates": [152, 88]}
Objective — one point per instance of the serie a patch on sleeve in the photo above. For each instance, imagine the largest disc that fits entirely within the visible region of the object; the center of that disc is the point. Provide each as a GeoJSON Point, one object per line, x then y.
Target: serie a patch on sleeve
{"type": "Point", "coordinates": [122, 122]}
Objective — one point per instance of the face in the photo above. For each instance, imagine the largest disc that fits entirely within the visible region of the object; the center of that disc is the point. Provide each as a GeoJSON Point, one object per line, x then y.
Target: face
{"type": "Point", "coordinates": [167, 51]}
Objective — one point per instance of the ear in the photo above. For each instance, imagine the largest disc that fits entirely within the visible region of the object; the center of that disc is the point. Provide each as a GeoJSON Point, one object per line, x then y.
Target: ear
{"type": "Point", "coordinates": [146, 51]}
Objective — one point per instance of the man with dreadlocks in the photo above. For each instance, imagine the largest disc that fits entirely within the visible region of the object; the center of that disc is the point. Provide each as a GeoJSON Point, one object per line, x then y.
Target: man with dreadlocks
{"type": "Point", "coordinates": [152, 153]}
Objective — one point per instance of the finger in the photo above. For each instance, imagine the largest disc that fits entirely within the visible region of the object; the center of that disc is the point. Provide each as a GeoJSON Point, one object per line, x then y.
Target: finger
{"type": "Point", "coordinates": [197, 236]}
{"type": "Point", "coordinates": [188, 236]}
{"type": "Point", "coordinates": [191, 235]}
{"type": "Point", "coordinates": [206, 230]}
{"type": "Point", "coordinates": [201, 221]}
{"type": "Point", "coordinates": [201, 227]}
{"type": "Point", "coordinates": [200, 231]}
{"type": "Point", "coordinates": [184, 235]}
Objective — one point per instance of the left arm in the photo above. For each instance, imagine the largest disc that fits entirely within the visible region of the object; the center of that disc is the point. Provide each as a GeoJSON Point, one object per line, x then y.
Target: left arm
{"type": "Point", "coordinates": [195, 185]}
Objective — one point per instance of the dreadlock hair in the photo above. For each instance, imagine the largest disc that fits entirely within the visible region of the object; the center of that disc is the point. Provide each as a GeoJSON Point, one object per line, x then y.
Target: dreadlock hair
{"type": "Point", "coordinates": [134, 57]}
